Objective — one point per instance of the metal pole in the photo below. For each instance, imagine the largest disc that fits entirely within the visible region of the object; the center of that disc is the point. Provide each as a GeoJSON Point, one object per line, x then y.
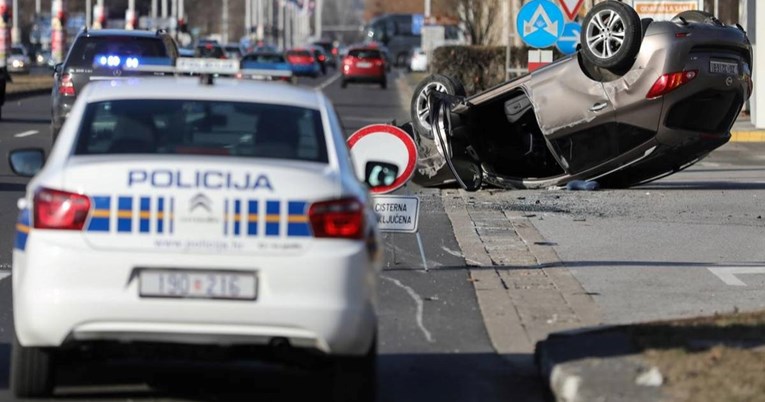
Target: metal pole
{"type": "Point", "coordinates": [164, 8]}
{"type": "Point", "coordinates": [427, 9]}
{"type": "Point", "coordinates": [154, 11]}
{"type": "Point", "coordinates": [224, 22]}
{"type": "Point", "coordinates": [88, 13]}
{"type": "Point", "coordinates": [130, 16]}
{"type": "Point", "coordinates": [318, 15]}
{"type": "Point", "coordinates": [280, 24]}
{"type": "Point", "coordinates": [38, 7]}
{"type": "Point", "coordinates": [247, 17]}
{"type": "Point", "coordinates": [182, 10]}
{"type": "Point", "coordinates": [16, 32]}
{"type": "Point", "coordinates": [717, 8]}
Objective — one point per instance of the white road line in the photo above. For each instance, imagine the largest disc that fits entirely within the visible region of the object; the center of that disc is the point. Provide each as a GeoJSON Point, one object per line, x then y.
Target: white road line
{"type": "Point", "coordinates": [728, 274]}
{"type": "Point", "coordinates": [329, 81]}
{"type": "Point", "coordinates": [26, 133]}
{"type": "Point", "coordinates": [452, 252]}
{"type": "Point", "coordinates": [417, 301]}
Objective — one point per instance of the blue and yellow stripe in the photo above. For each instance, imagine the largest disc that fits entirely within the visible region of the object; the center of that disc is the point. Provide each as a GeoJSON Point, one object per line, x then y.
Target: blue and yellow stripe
{"type": "Point", "coordinates": [99, 217]}
{"type": "Point", "coordinates": [272, 218]}
{"type": "Point", "coordinates": [125, 214]}
{"type": "Point", "coordinates": [22, 230]}
{"type": "Point", "coordinates": [252, 218]}
{"type": "Point", "coordinates": [297, 219]}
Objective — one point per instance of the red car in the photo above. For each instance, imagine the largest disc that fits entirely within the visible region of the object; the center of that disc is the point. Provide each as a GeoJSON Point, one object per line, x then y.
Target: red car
{"type": "Point", "coordinates": [364, 65]}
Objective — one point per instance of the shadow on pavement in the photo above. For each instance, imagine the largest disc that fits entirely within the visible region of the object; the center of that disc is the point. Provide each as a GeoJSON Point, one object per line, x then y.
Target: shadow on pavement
{"type": "Point", "coordinates": [26, 121]}
{"type": "Point", "coordinates": [401, 377]}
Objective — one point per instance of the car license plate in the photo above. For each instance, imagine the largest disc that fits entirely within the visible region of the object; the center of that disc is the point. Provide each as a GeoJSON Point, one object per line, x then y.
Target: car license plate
{"type": "Point", "coordinates": [198, 284]}
{"type": "Point", "coordinates": [723, 67]}
{"type": "Point", "coordinates": [364, 65]}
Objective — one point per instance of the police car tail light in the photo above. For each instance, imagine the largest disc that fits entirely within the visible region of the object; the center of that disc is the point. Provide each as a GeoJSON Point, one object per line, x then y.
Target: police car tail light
{"type": "Point", "coordinates": [66, 87]}
{"type": "Point", "coordinates": [54, 209]}
{"type": "Point", "coordinates": [669, 82]}
{"type": "Point", "coordinates": [342, 218]}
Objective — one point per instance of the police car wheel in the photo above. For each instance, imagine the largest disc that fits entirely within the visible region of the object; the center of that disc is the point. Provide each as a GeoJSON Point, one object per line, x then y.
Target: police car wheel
{"type": "Point", "coordinates": [31, 371]}
{"type": "Point", "coordinates": [611, 35]}
{"type": "Point", "coordinates": [353, 378]}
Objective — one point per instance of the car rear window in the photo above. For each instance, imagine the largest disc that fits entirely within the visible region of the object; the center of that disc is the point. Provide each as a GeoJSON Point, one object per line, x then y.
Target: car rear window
{"type": "Point", "coordinates": [209, 51]}
{"type": "Point", "coordinates": [365, 54]}
{"type": "Point", "coordinates": [219, 128]}
{"type": "Point", "coordinates": [264, 58]}
{"type": "Point", "coordinates": [17, 51]}
{"type": "Point", "coordinates": [85, 50]}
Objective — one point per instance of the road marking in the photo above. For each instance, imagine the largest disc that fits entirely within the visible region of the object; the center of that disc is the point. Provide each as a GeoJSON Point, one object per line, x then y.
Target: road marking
{"type": "Point", "coordinates": [4, 275]}
{"type": "Point", "coordinates": [26, 133]}
{"type": "Point", "coordinates": [728, 274]}
{"type": "Point", "coordinates": [417, 301]}
{"type": "Point", "coordinates": [329, 81]}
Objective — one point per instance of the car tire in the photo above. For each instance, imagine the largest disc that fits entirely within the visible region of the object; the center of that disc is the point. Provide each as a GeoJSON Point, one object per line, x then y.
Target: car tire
{"type": "Point", "coordinates": [353, 378]}
{"type": "Point", "coordinates": [344, 84]}
{"type": "Point", "coordinates": [419, 111]}
{"type": "Point", "coordinates": [698, 16]}
{"type": "Point", "coordinates": [31, 371]}
{"type": "Point", "coordinates": [604, 25]}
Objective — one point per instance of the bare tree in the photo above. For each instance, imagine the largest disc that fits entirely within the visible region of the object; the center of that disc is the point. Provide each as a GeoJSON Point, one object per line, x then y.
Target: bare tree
{"type": "Point", "coordinates": [477, 18]}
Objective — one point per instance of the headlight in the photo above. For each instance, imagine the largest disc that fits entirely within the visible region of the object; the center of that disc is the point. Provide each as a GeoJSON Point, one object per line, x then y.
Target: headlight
{"type": "Point", "coordinates": [17, 63]}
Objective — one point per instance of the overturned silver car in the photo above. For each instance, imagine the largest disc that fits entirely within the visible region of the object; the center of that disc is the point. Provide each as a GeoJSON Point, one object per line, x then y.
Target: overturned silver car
{"type": "Point", "coordinates": [640, 100]}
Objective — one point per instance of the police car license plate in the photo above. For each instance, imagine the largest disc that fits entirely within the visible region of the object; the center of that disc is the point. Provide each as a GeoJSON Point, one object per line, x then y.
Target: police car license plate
{"type": "Point", "coordinates": [198, 284]}
{"type": "Point", "coordinates": [723, 67]}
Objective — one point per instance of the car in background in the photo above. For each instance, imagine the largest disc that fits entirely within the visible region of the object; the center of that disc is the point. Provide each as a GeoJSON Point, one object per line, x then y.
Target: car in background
{"type": "Point", "coordinates": [330, 50]}
{"type": "Point", "coordinates": [321, 57]}
{"type": "Point", "coordinates": [418, 60]}
{"type": "Point", "coordinates": [303, 62]}
{"type": "Point", "coordinates": [121, 254]}
{"type": "Point", "coordinates": [641, 100]}
{"type": "Point", "coordinates": [44, 58]}
{"type": "Point", "coordinates": [80, 66]}
{"type": "Point", "coordinates": [364, 65]}
{"type": "Point", "coordinates": [269, 66]}
{"type": "Point", "coordinates": [18, 61]}
{"type": "Point", "coordinates": [186, 52]}
{"type": "Point", "coordinates": [210, 50]}
{"type": "Point", "coordinates": [233, 51]}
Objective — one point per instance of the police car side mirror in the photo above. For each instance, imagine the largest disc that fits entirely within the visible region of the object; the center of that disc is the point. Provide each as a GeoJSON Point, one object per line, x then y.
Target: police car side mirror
{"type": "Point", "coordinates": [26, 162]}
{"type": "Point", "coordinates": [380, 174]}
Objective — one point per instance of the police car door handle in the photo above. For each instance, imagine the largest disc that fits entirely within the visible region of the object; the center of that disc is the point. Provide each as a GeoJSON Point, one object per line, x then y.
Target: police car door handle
{"type": "Point", "coordinates": [598, 106]}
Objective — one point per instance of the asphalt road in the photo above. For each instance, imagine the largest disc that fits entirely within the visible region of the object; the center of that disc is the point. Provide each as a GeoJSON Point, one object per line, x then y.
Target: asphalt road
{"type": "Point", "coordinates": [432, 341]}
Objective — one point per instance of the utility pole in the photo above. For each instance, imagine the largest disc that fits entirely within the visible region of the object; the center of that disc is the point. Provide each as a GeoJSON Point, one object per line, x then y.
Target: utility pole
{"type": "Point", "coordinates": [130, 15]}
{"type": "Point", "coordinates": [38, 7]}
{"type": "Point", "coordinates": [164, 8]}
{"type": "Point", "coordinates": [16, 32]}
{"type": "Point", "coordinates": [247, 17]}
{"type": "Point", "coordinates": [154, 11]}
{"type": "Point", "coordinates": [427, 10]}
{"type": "Point", "coordinates": [317, 18]}
{"type": "Point", "coordinates": [280, 25]}
{"type": "Point", "coordinates": [88, 13]}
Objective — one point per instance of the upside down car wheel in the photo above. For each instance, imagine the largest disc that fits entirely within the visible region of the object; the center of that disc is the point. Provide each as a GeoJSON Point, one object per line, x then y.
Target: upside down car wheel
{"type": "Point", "coordinates": [611, 35]}
{"type": "Point", "coordinates": [420, 109]}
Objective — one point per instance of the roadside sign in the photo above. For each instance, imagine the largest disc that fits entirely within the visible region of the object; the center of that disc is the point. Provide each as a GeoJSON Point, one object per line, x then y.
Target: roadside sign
{"type": "Point", "coordinates": [571, 8]}
{"type": "Point", "coordinates": [418, 20]}
{"type": "Point", "coordinates": [540, 23]}
{"type": "Point", "coordinates": [396, 213]}
{"type": "Point", "coordinates": [384, 143]}
{"type": "Point", "coordinates": [539, 59]}
{"type": "Point", "coordinates": [569, 38]}
{"type": "Point", "coordinates": [665, 10]}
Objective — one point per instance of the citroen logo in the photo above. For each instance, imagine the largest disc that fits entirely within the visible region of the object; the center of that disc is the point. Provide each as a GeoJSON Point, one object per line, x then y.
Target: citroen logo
{"type": "Point", "coordinates": [729, 81]}
{"type": "Point", "coordinates": [200, 201]}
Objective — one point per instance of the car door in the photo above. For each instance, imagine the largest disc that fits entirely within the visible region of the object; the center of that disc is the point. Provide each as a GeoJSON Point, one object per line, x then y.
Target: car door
{"type": "Point", "coordinates": [574, 113]}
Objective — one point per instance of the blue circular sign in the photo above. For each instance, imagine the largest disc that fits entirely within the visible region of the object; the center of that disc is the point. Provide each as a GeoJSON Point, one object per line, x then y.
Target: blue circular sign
{"type": "Point", "coordinates": [569, 38]}
{"type": "Point", "coordinates": [540, 23]}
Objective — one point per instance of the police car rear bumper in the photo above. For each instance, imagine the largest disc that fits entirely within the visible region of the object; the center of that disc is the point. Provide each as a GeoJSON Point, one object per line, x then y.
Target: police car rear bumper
{"type": "Point", "coordinates": [324, 300]}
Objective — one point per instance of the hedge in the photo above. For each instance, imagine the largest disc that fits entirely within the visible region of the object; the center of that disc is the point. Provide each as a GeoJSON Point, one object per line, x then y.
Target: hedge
{"type": "Point", "coordinates": [478, 67]}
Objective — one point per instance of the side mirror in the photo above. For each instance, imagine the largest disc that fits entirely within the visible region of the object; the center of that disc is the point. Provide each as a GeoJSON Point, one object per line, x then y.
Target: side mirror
{"type": "Point", "coordinates": [380, 174]}
{"type": "Point", "coordinates": [26, 162]}
{"type": "Point", "coordinates": [58, 68]}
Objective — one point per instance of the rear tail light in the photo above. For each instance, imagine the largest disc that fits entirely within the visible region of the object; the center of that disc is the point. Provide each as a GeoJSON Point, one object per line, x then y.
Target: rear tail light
{"type": "Point", "coordinates": [669, 82]}
{"type": "Point", "coordinates": [342, 218]}
{"type": "Point", "coordinates": [322, 58]}
{"type": "Point", "coordinates": [311, 60]}
{"type": "Point", "coordinates": [54, 209]}
{"type": "Point", "coordinates": [66, 87]}
{"type": "Point", "coordinates": [378, 63]}
{"type": "Point", "coordinates": [334, 51]}
{"type": "Point", "coordinates": [239, 76]}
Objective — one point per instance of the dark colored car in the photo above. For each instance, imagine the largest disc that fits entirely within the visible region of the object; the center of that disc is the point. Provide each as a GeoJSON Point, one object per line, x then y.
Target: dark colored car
{"type": "Point", "coordinates": [210, 50]}
{"type": "Point", "coordinates": [321, 57]}
{"type": "Point", "coordinates": [330, 50]}
{"type": "Point", "coordinates": [364, 65]}
{"type": "Point", "coordinates": [78, 69]}
{"type": "Point", "coordinates": [641, 100]}
{"type": "Point", "coordinates": [303, 62]}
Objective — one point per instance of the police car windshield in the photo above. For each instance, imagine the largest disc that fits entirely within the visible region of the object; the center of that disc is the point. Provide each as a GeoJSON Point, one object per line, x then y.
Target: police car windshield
{"type": "Point", "coordinates": [202, 128]}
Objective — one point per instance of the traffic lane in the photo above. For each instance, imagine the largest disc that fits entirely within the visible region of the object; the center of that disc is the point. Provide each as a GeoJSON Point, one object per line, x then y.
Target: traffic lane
{"type": "Point", "coordinates": [25, 124]}
{"type": "Point", "coordinates": [672, 248]}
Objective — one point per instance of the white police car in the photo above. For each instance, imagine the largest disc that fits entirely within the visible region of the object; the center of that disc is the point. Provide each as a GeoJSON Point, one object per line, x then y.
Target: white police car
{"type": "Point", "coordinates": [173, 210]}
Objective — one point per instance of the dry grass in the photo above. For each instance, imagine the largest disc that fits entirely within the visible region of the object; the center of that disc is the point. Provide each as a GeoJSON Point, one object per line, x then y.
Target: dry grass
{"type": "Point", "coordinates": [720, 358]}
{"type": "Point", "coordinates": [25, 83]}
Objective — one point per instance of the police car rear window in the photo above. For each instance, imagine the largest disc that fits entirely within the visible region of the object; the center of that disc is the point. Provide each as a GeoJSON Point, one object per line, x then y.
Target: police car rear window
{"type": "Point", "coordinates": [195, 127]}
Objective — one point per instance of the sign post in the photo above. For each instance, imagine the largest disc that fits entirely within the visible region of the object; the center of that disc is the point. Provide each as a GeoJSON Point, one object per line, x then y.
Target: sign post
{"type": "Point", "coordinates": [392, 147]}
{"type": "Point", "coordinates": [58, 30]}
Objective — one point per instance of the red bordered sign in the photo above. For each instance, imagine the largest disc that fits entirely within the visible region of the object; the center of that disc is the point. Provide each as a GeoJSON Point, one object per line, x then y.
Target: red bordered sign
{"type": "Point", "coordinates": [384, 143]}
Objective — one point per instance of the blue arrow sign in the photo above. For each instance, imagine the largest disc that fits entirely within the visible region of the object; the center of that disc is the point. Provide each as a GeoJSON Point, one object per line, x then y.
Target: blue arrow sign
{"type": "Point", "coordinates": [540, 23]}
{"type": "Point", "coordinates": [569, 38]}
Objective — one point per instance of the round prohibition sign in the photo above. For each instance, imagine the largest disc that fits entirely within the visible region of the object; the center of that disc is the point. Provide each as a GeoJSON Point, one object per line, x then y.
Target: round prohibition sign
{"type": "Point", "coordinates": [384, 143]}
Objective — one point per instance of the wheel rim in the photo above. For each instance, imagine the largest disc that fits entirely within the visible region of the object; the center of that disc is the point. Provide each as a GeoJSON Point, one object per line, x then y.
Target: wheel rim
{"type": "Point", "coordinates": [605, 34]}
{"type": "Point", "coordinates": [422, 108]}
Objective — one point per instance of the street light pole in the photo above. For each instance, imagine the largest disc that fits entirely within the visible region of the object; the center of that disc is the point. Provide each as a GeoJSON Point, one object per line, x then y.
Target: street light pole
{"type": "Point", "coordinates": [224, 22]}
{"type": "Point", "coordinates": [317, 15]}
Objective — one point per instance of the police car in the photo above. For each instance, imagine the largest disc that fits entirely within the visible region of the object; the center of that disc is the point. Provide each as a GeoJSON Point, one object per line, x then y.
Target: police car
{"type": "Point", "coordinates": [210, 212]}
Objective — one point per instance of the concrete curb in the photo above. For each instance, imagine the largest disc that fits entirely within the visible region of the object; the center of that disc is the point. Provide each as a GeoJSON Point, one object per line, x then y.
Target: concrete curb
{"type": "Point", "coordinates": [747, 136]}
